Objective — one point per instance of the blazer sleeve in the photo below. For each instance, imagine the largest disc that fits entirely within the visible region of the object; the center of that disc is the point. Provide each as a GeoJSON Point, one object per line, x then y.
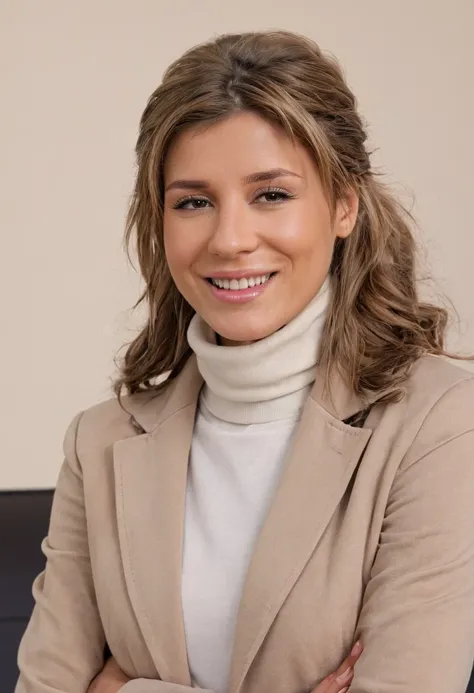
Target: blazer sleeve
{"type": "Point", "coordinates": [62, 649]}
{"type": "Point", "coordinates": [417, 617]}
{"type": "Point", "coordinates": [149, 686]}
{"type": "Point", "coordinates": [63, 645]}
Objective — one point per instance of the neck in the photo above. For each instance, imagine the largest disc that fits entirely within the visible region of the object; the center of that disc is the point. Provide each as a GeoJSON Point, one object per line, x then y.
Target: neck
{"type": "Point", "coordinates": [267, 380]}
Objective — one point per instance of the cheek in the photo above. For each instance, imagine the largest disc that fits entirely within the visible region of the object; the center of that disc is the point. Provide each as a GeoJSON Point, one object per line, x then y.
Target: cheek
{"type": "Point", "coordinates": [179, 249]}
{"type": "Point", "coordinates": [307, 237]}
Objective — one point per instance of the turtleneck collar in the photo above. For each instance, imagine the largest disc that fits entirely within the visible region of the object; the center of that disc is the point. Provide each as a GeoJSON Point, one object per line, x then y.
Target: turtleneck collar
{"type": "Point", "coordinates": [267, 380]}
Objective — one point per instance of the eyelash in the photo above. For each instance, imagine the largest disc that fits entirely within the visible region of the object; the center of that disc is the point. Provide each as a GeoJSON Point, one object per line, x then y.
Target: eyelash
{"type": "Point", "coordinates": [179, 204]}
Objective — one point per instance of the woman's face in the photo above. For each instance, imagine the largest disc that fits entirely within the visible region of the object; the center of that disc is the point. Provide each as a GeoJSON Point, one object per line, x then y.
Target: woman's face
{"type": "Point", "coordinates": [247, 229]}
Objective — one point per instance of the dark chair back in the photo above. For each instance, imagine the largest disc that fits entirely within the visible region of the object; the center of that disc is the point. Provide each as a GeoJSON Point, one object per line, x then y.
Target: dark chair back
{"type": "Point", "coordinates": [24, 520]}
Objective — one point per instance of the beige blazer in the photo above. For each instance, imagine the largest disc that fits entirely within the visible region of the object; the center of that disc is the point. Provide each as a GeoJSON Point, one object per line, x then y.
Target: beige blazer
{"type": "Point", "coordinates": [370, 534]}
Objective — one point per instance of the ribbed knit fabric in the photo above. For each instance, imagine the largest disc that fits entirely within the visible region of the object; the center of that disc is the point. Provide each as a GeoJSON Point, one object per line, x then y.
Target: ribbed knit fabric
{"type": "Point", "coordinates": [248, 412]}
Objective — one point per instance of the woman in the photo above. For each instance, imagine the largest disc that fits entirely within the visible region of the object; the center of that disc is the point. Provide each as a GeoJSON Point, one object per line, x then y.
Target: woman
{"type": "Point", "coordinates": [303, 478]}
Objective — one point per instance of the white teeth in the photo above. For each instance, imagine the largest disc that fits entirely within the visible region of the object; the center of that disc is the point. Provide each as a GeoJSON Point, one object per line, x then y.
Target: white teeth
{"type": "Point", "coordinates": [239, 284]}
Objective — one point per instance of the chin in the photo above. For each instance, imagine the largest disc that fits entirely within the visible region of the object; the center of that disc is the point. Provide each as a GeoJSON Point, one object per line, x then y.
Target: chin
{"type": "Point", "coordinates": [244, 334]}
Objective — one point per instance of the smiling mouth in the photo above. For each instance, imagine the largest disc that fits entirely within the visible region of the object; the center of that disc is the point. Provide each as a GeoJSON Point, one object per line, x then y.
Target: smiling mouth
{"type": "Point", "coordinates": [240, 284]}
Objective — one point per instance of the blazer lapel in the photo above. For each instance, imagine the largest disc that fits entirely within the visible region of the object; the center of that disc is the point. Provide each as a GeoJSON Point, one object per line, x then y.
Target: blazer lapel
{"type": "Point", "coordinates": [324, 456]}
{"type": "Point", "coordinates": [150, 476]}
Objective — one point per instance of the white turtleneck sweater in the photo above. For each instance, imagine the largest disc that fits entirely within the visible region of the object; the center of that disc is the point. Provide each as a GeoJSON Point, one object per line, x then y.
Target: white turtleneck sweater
{"type": "Point", "coordinates": [248, 411]}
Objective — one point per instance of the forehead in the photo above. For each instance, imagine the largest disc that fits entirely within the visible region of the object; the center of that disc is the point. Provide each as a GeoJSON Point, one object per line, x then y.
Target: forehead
{"type": "Point", "coordinates": [241, 144]}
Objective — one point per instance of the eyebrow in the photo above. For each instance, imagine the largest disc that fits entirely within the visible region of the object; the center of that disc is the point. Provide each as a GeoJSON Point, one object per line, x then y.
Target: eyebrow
{"type": "Point", "coordinates": [252, 178]}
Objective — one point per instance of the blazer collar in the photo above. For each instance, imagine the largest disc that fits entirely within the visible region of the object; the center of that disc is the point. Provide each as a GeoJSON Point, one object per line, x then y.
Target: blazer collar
{"type": "Point", "coordinates": [338, 399]}
{"type": "Point", "coordinates": [149, 409]}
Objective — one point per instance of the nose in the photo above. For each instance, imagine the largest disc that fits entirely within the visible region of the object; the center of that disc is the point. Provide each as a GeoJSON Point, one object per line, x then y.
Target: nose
{"type": "Point", "coordinates": [233, 232]}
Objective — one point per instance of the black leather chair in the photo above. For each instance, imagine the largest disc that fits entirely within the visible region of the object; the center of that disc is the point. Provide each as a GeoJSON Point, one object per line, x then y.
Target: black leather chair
{"type": "Point", "coordinates": [24, 519]}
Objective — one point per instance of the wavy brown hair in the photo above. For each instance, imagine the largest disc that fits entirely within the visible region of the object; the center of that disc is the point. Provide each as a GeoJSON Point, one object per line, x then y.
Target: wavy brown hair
{"type": "Point", "coordinates": [377, 326]}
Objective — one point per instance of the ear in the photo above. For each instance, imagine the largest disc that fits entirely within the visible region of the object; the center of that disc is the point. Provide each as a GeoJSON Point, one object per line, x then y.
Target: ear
{"type": "Point", "coordinates": [345, 218]}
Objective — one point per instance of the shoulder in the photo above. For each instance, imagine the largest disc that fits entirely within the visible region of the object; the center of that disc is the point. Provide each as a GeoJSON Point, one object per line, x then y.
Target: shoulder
{"type": "Point", "coordinates": [438, 403]}
{"type": "Point", "coordinates": [436, 381]}
{"type": "Point", "coordinates": [438, 372]}
{"type": "Point", "coordinates": [108, 421]}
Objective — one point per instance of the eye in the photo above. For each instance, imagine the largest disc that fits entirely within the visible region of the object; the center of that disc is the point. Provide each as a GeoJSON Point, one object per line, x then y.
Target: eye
{"type": "Point", "coordinates": [271, 196]}
{"type": "Point", "coordinates": [191, 202]}
{"type": "Point", "coordinates": [274, 195]}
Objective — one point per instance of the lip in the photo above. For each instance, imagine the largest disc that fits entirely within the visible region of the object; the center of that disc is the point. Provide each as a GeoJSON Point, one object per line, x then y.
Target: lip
{"type": "Point", "coordinates": [240, 295]}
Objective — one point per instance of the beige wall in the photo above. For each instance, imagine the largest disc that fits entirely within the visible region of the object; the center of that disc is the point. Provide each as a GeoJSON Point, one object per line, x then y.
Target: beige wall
{"type": "Point", "coordinates": [75, 77]}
